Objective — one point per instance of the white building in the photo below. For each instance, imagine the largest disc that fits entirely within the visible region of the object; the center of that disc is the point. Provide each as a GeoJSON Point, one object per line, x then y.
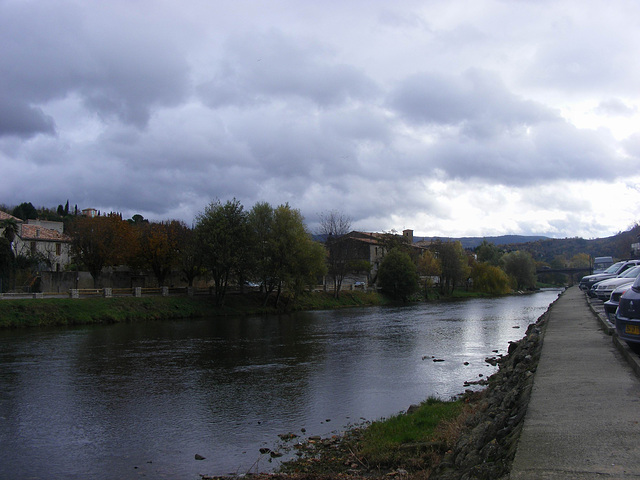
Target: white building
{"type": "Point", "coordinates": [42, 239]}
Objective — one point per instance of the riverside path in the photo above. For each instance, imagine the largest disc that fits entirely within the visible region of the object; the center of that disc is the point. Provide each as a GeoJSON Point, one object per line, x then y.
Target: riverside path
{"type": "Point", "coordinates": [583, 416]}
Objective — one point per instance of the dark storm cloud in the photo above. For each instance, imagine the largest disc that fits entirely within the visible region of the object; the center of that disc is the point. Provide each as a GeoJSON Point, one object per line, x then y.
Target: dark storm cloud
{"type": "Point", "coordinates": [52, 50]}
{"type": "Point", "coordinates": [22, 120]}
{"type": "Point", "coordinates": [453, 114]}
{"type": "Point", "coordinates": [257, 68]}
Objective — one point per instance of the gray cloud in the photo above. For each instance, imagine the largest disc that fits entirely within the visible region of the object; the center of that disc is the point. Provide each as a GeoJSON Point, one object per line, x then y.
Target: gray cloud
{"type": "Point", "coordinates": [476, 100]}
{"type": "Point", "coordinates": [115, 66]}
{"type": "Point", "coordinates": [20, 119]}
{"type": "Point", "coordinates": [432, 116]}
{"type": "Point", "coordinates": [258, 68]}
{"type": "Point", "coordinates": [615, 107]}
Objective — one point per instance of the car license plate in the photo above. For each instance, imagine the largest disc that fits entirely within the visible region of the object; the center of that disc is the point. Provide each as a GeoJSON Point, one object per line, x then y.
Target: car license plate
{"type": "Point", "coordinates": [632, 329]}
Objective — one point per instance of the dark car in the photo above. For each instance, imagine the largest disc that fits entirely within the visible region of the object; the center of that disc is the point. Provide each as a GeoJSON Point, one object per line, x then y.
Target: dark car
{"type": "Point", "coordinates": [613, 271]}
{"type": "Point", "coordinates": [611, 305]}
{"type": "Point", "coordinates": [628, 316]}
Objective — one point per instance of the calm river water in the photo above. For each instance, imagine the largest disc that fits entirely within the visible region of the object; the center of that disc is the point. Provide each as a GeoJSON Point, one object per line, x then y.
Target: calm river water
{"type": "Point", "coordinates": [141, 400]}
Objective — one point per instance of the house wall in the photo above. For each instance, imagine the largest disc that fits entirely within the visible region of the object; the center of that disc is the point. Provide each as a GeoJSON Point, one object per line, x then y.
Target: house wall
{"type": "Point", "coordinates": [57, 255]}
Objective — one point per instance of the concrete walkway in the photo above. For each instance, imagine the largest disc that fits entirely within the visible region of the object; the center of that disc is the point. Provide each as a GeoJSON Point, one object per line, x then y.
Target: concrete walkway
{"type": "Point", "coordinates": [583, 419]}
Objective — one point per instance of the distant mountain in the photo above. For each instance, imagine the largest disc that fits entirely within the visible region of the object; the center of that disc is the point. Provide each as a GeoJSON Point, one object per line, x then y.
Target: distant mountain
{"type": "Point", "coordinates": [473, 242]}
{"type": "Point", "coordinates": [618, 246]}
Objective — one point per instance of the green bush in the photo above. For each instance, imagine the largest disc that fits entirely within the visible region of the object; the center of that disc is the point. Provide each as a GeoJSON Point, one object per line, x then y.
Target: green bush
{"type": "Point", "coordinates": [398, 275]}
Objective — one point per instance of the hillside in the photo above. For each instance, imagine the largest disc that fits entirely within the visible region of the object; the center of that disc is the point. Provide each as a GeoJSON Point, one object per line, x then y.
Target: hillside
{"type": "Point", "coordinates": [546, 249]}
{"type": "Point", "coordinates": [473, 242]}
{"type": "Point", "coordinates": [617, 246]}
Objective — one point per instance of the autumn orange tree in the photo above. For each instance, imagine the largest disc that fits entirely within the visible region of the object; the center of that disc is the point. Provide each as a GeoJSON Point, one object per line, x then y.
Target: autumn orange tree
{"type": "Point", "coordinates": [102, 241]}
{"type": "Point", "coordinates": [159, 247]}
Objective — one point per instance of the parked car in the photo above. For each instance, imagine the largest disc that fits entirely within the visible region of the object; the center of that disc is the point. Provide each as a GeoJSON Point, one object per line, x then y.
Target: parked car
{"type": "Point", "coordinates": [613, 271]}
{"type": "Point", "coordinates": [604, 288]}
{"type": "Point", "coordinates": [611, 305]}
{"type": "Point", "coordinates": [628, 316]}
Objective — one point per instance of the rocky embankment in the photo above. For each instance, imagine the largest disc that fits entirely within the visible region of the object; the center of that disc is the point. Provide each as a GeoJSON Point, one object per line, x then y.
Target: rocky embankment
{"type": "Point", "coordinates": [487, 446]}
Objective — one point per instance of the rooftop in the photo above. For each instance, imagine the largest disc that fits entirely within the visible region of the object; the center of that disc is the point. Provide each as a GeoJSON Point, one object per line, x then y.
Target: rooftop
{"type": "Point", "coordinates": [6, 216]}
{"type": "Point", "coordinates": [36, 232]}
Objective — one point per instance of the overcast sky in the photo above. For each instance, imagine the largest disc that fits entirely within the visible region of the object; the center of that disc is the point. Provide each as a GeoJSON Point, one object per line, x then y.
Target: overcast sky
{"type": "Point", "coordinates": [451, 118]}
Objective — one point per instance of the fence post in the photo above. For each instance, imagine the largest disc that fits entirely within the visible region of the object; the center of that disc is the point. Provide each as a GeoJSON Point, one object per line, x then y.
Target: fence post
{"type": "Point", "coordinates": [137, 291]}
{"type": "Point", "coordinates": [74, 293]}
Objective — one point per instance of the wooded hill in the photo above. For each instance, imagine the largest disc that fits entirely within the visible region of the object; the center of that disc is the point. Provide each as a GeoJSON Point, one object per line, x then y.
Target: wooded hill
{"type": "Point", "coordinates": [545, 249]}
{"type": "Point", "coordinates": [618, 246]}
{"type": "Point", "coordinates": [470, 243]}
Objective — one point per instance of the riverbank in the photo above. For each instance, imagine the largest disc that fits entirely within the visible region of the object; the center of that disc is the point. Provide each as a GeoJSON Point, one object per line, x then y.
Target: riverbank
{"type": "Point", "coordinates": [17, 313]}
{"type": "Point", "coordinates": [42, 312]}
{"type": "Point", "coordinates": [478, 442]}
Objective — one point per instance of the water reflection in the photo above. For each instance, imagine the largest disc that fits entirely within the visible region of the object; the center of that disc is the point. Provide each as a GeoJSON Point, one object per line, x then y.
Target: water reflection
{"type": "Point", "coordinates": [130, 400]}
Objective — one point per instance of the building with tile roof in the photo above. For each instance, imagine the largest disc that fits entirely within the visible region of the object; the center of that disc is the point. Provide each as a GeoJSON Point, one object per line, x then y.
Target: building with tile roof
{"type": "Point", "coordinates": [45, 240]}
{"type": "Point", "coordinates": [5, 216]}
{"type": "Point", "coordinates": [371, 247]}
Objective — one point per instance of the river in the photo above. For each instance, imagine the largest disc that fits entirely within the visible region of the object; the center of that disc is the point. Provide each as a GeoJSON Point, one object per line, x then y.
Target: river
{"type": "Point", "coordinates": [129, 401]}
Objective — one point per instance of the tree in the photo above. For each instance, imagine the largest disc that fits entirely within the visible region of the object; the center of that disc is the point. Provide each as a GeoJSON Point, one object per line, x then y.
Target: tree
{"type": "Point", "coordinates": [138, 220]}
{"type": "Point", "coordinates": [7, 264]}
{"type": "Point", "coordinates": [101, 241]}
{"type": "Point", "coordinates": [293, 253]}
{"type": "Point", "coordinates": [10, 229]}
{"type": "Point", "coordinates": [261, 224]}
{"type": "Point", "coordinates": [189, 254]}
{"type": "Point", "coordinates": [580, 260]}
{"type": "Point", "coordinates": [520, 266]}
{"type": "Point", "coordinates": [454, 263]}
{"type": "Point", "coordinates": [489, 279]}
{"type": "Point", "coordinates": [398, 275]}
{"type": "Point", "coordinates": [159, 246]}
{"type": "Point", "coordinates": [391, 240]}
{"type": "Point", "coordinates": [222, 233]}
{"type": "Point", "coordinates": [428, 266]}
{"type": "Point", "coordinates": [25, 211]}
{"type": "Point", "coordinates": [307, 266]}
{"type": "Point", "coordinates": [488, 252]}
{"type": "Point", "coordinates": [334, 225]}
